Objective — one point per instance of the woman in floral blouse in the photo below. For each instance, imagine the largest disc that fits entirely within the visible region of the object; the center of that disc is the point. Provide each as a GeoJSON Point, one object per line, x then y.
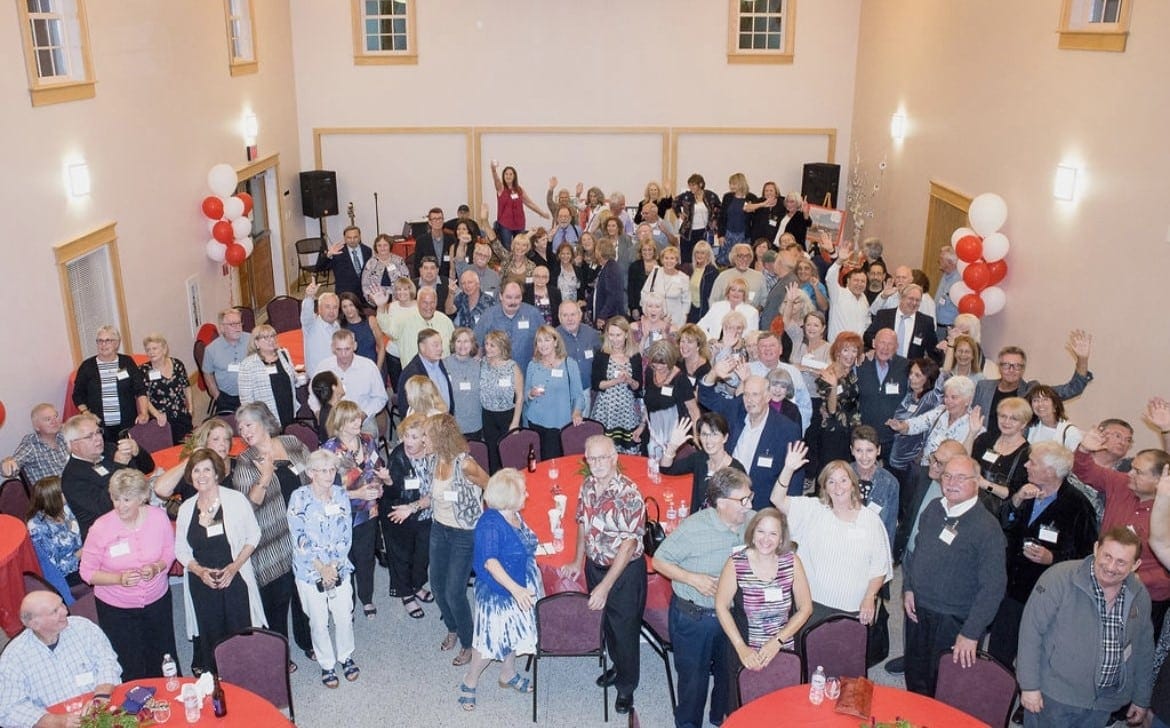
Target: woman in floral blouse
{"type": "Point", "coordinates": [840, 396]}
{"type": "Point", "coordinates": [167, 387]}
{"type": "Point", "coordinates": [55, 536]}
{"type": "Point", "coordinates": [406, 508]}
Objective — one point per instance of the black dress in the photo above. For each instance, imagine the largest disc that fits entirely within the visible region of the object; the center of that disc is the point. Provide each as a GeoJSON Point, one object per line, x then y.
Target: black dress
{"type": "Point", "coordinates": [697, 464]}
{"type": "Point", "coordinates": [282, 392]}
{"type": "Point", "coordinates": [218, 612]}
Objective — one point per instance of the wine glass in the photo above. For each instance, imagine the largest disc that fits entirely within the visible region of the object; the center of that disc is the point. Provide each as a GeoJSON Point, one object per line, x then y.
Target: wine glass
{"type": "Point", "coordinates": [161, 711]}
{"type": "Point", "coordinates": [832, 688]}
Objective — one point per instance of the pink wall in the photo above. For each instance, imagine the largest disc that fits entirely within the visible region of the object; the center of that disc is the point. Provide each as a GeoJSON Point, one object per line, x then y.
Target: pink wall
{"type": "Point", "coordinates": [166, 110]}
{"type": "Point", "coordinates": [994, 107]}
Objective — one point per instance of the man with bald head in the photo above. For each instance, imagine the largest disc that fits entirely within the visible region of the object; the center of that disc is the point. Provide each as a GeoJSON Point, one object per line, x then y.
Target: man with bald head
{"type": "Point", "coordinates": [581, 343]}
{"type": "Point", "coordinates": [515, 318]}
{"type": "Point", "coordinates": [891, 293]}
{"type": "Point", "coordinates": [318, 326]}
{"type": "Point", "coordinates": [759, 435]}
{"type": "Point", "coordinates": [468, 303]}
{"type": "Point", "coordinates": [405, 326]}
{"type": "Point", "coordinates": [56, 658]}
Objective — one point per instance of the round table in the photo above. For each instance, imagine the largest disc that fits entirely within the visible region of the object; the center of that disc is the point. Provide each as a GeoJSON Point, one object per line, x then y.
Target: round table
{"type": "Point", "coordinates": [245, 708]}
{"type": "Point", "coordinates": [294, 341]}
{"type": "Point", "coordinates": [17, 556]}
{"type": "Point", "coordinates": [168, 458]}
{"type": "Point", "coordinates": [888, 703]}
{"type": "Point", "coordinates": [541, 494]}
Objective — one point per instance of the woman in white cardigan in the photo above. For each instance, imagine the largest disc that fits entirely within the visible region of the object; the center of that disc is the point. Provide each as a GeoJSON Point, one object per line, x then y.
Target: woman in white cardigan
{"type": "Point", "coordinates": [215, 535]}
{"type": "Point", "coordinates": [736, 300]}
{"type": "Point", "coordinates": [267, 375]}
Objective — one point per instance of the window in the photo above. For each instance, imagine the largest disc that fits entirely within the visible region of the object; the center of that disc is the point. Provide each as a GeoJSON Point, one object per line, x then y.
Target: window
{"type": "Point", "coordinates": [91, 286]}
{"type": "Point", "coordinates": [383, 32]}
{"type": "Point", "coordinates": [241, 41]}
{"type": "Point", "coordinates": [1094, 25]}
{"type": "Point", "coordinates": [761, 31]}
{"type": "Point", "coordinates": [56, 50]}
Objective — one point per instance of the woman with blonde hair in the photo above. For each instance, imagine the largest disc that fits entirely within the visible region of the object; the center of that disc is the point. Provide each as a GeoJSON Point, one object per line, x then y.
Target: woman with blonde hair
{"type": "Point", "coordinates": [617, 386]}
{"type": "Point", "coordinates": [672, 284]}
{"type": "Point", "coordinates": [423, 396]}
{"type": "Point", "coordinates": [406, 508]}
{"type": "Point", "coordinates": [703, 275]}
{"type": "Point", "coordinates": [501, 392]}
{"type": "Point", "coordinates": [736, 302]}
{"type": "Point", "coordinates": [212, 433]}
{"type": "Point", "coordinates": [554, 392]}
{"type": "Point", "coordinates": [694, 352]}
{"type": "Point", "coordinates": [657, 194]}
{"type": "Point", "coordinates": [734, 217]}
{"type": "Point", "coordinates": [267, 375]}
{"type": "Point", "coordinates": [167, 387]}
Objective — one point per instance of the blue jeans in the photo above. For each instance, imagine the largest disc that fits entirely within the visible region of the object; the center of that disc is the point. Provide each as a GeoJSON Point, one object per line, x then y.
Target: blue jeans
{"type": "Point", "coordinates": [505, 234]}
{"type": "Point", "coordinates": [700, 649]}
{"type": "Point", "coordinates": [1059, 715]}
{"type": "Point", "coordinates": [451, 550]}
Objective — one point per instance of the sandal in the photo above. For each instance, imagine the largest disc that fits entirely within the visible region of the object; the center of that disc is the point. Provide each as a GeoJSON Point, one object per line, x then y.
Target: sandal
{"type": "Point", "coordinates": [350, 670]}
{"type": "Point", "coordinates": [424, 596]}
{"type": "Point", "coordinates": [517, 683]}
{"type": "Point", "coordinates": [466, 697]}
{"type": "Point", "coordinates": [329, 679]}
{"type": "Point", "coordinates": [414, 610]}
{"type": "Point", "coordinates": [370, 611]}
{"type": "Point", "coordinates": [462, 658]}
{"type": "Point", "coordinates": [449, 642]}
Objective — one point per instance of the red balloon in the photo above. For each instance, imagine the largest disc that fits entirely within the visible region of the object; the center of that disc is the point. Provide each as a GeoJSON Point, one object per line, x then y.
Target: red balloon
{"type": "Point", "coordinates": [972, 304]}
{"type": "Point", "coordinates": [222, 231]}
{"type": "Point", "coordinates": [247, 200]}
{"type": "Point", "coordinates": [3, 414]}
{"type": "Point", "coordinates": [969, 248]}
{"type": "Point", "coordinates": [998, 271]}
{"type": "Point", "coordinates": [236, 255]}
{"type": "Point", "coordinates": [212, 207]}
{"type": "Point", "coordinates": [977, 276]}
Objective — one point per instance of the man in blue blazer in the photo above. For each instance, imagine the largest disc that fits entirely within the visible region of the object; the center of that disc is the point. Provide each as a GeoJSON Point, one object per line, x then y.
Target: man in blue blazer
{"type": "Point", "coordinates": [346, 260]}
{"type": "Point", "coordinates": [760, 436]}
{"type": "Point", "coordinates": [882, 383]}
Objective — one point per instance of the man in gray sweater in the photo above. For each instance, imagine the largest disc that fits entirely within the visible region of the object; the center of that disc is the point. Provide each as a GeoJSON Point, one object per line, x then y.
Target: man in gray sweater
{"type": "Point", "coordinates": [1086, 641]}
{"type": "Point", "coordinates": [954, 579]}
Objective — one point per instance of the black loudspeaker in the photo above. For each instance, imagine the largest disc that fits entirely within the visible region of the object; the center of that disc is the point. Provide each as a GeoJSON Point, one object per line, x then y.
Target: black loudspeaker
{"type": "Point", "coordinates": [319, 193]}
{"type": "Point", "coordinates": [821, 179]}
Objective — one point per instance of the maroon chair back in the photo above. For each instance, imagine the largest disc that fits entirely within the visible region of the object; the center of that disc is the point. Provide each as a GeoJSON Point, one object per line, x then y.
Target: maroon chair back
{"type": "Point", "coordinates": [782, 672]}
{"type": "Point", "coordinates": [479, 453]}
{"type": "Point", "coordinates": [14, 498]}
{"type": "Point", "coordinates": [230, 419]}
{"type": "Point", "coordinates": [284, 313]}
{"type": "Point", "coordinates": [304, 433]}
{"type": "Point", "coordinates": [685, 449]}
{"type": "Point", "coordinates": [838, 644]}
{"type": "Point", "coordinates": [257, 660]}
{"type": "Point", "coordinates": [567, 627]}
{"type": "Point", "coordinates": [36, 582]}
{"type": "Point", "coordinates": [247, 318]}
{"type": "Point", "coordinates": [85, 606]}
{"type": "Point", "coordinates": [986, 690]}
{"type": "Point", "coordinates": [573, 437]}
{"type": "Point", "coordinates": [514, 448]}
{"type": "Point", "coordinates": [151, 436]}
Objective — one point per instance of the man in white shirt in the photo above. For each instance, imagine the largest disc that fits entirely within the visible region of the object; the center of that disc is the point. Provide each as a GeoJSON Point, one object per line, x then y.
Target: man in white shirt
{"type": "Point", "coordinates": [848, 307]}
{"type": "Point", "coordinates": [891, 294]}
{"type": "Point", "coordinates": [317, 328]}
{"type": "Point", "coordinates": [363, 382]}
{"type": "Point", "coordinates": [741, 259]}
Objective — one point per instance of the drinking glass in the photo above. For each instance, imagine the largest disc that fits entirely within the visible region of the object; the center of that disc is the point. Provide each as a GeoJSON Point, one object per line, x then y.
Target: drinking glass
{"type": "Point", "coordinates": [832, 688]}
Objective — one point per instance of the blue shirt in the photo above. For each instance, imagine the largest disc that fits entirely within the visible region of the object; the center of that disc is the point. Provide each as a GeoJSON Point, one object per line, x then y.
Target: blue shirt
{"type": "Point", "coordinates": [563, 394]}
{"type": "Point", "coordinates": [320, 531]}
{"type": "Point", "coordinates": [582, 347]}
{"type": "Point", "coordinates": [945, 310]}
{"type": "Point", "coordinates": [520, 328]}
{"type": "Point", "coordinates": [221, 359]}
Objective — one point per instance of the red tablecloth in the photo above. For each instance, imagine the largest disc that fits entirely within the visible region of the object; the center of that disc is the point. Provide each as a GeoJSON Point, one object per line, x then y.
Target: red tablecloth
{"type": "Point", "coordinates": [294, 341]}
{"type": "Point", "coordinates": [245, 708]}
{"type": "Point", "coordinates": [17, 556]}
{"type": "Point", "coordinates": [888, 703]}
{"type": "Point", "coordinates": [540, 501]}
{"type": "Point", "coordinates": [70, 409]}
{"type": "Point", "coordinates": [170, 457]}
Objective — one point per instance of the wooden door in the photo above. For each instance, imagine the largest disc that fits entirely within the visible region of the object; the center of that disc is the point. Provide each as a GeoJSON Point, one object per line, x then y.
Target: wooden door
{"type": "Point", "coordinates": [947, 212]}
{"type": "Point", "coordinates": [257, 286]}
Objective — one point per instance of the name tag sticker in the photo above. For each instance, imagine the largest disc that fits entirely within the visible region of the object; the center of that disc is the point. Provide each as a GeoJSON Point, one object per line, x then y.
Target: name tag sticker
{"type": "Point", "coordinates": [1127, 653]}
{"type": "Point", "coordinates": [875, 507]}
{"type": "Point", "coordinates": [773, 594]}
{"type": "Point", "coordinates": [450, 496]}
{"type": "Point", "coordinates": [123, 374]}
{"type": "Point", "coordinates": [216, 530]}
{"type": "Point", "coordinates": [504, 382]}
{"type": "Point", "coordinates": [751, 295]}
{"type": "Point", "coordinates": [465, 386]}
{"type": "Point", "coordinates": [122, 548]}
{"type": "Point", "coordinates": [947, 535]}
{"type": "Point", "coordinates": [558, 373]}
{"type": "Point", "coordinates": [270, 370]}
{"type": "Point", "coordinates": [332, 509]}
{"type": "Point", "coordinates": [542, 301]}
{"type": "Point", "coordinates": [990, 456]}
{"type": "Point", "coordinates": [772, 222]}
{"type": "Point", "coordinates": [893, 388]}
{"type": "Point", "coordinates": [101, 470]}
{"type": "Point", "coordinates": [234, 367]}
{"type": "Point", "coordinates": [917, 341]}
{"type": "Point", "coordinates": [1049, 534]}
{"type": "Point", "coordinates": [668, 391]}
{"type": "Point", "coordinates": [528, 281]}
{"type": "Point", "coordinates": [515, 196]}
{"type": "Point", "coordinates": [154, 375]}
{"type": "Point", "coordinates": [764, 461]}
{"type": "Point", "coordinates": [298, 469]}
{"type": "Point", "coordinates": [410, 484]}
{"type": "Point", "coordinates": [588, 353]}
{"type": "Point", "coordinates": [522, 324]}
{"type": "Point", "coordinates": [83, 679]}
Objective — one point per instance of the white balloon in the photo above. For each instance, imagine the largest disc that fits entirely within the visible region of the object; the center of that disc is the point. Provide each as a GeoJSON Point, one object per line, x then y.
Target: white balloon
{"type": "Point", "coordinates": [995, 247]}
{"type": "Point", "coordinates": [233, 208]}
{"type": "Point", "coordinates": [216, 250]}
{"type": "Point", "coordinates": [994, 299]}
{"type": "Point", "coordinates": [961, 264]}
{"type": "Point", "coordinates": [960, 233]}
{"type": "Point", "coordinates": [247, 244]}
{"type": "Point", "coordinates": [241, 227]}
{"type": "Point", "coordinates": [988, 213]}
{"type": "Point", "coordinates": [222, 180]}
{"type": "Point", "coordinates": [958, 290]}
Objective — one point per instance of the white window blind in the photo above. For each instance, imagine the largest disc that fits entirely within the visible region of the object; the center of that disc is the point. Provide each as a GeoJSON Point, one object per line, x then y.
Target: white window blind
{"type": "Point", "coordinates": [91, 288]}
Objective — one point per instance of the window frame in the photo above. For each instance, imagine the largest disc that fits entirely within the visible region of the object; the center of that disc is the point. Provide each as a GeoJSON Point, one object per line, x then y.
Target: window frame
{"type": "Point", "coordinates": [239, 66]}
{"type": "Point", "coordinates": [80, 83]}
{"type": "Point", "coordinates": [735, 54]}
{"type": "Point", "coordinates": [71, 250]}
{"type": "Point", "coordinates": [1081, 35]}
{"type": "Point", "coordinates": [363, 57]}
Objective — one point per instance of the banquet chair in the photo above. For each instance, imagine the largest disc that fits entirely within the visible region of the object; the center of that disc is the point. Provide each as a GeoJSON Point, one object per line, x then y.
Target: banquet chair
{"type": "Point", "coordinates": [684, 450]}
{"type": "Point", "coordinates": [304, 433]}
{"type": "Point", "coordinates": [656, 625]}
{"type": "Point", "coordinates": [514, 448]}
{"type": "Point", "coordinates": [308, 259]}
{"type": "Point", "coordinates": [782, 672]}
{"type": "Point", "coordinates": [14, 498]}
{"type": "Point", "coordinates": [986, 690]}
{"type": "Point", "coordinates": [85, 606]}
{"type": "Point", "coordinates": [207, 334]}
{"type": "Point", "coordinates": [479, 453]}
{"type": "Point", "coordinates": [247, 318]}
{"type": "Point", "coordinates": [836, 643]}
{"type": "Point", "coordinates": [230, 419]}
{"type": "Point", "coordinates": [284, 313]}
{"type": "Point", "coordinates": [573, 437]}
{"type": "Point", "coordinates": [36, 582]}
{"type": "Point", "coordinates": [151, 436]}
{"type": "Point", "coordinates": [567, 627]}
{"type": "Point", "coordinates": [257, 660]}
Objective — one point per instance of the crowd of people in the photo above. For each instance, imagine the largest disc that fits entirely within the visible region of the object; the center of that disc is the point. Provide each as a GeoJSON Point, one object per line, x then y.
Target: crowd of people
{"type": "Point", "coordinates": [837, 420]}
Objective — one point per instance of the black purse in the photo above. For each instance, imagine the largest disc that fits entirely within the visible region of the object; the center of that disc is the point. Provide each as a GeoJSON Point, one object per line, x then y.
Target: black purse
{"type": "Point", "coordinates": [654, 535]}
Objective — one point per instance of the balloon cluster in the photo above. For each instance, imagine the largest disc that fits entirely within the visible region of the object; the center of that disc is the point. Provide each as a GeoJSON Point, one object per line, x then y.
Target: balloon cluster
{"type": "Point", "coordinates": [981, 249]}
{"type": "Point", "coordinates": [227, 216]}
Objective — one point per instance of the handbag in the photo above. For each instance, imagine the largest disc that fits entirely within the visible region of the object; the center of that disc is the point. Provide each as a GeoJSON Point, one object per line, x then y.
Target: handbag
{"type": "Point", "coordinates": [654, 534]}
{"type": "Point", "coordinates": [468, 506]}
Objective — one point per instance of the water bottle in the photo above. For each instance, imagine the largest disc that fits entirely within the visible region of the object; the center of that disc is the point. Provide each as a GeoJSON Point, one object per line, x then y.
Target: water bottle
{"type": "Point", "coordinates": [671, 513]}
{"type": "Point", "coordinates": [652, 471]}
{"type": "Point", "coordinates": [683, 510]}
{"type": "Point", "coordinates": [171, 672]}
{"type": "Point", "coordinates": [816, 688]}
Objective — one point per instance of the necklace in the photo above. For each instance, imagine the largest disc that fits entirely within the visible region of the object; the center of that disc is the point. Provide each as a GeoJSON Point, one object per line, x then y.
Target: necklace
{"type": "Point", "coordinates": [207, 515]}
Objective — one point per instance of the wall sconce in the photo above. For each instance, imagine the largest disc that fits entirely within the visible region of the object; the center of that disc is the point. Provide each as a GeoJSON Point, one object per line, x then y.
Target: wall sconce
{"type": "Point", "coordinates": [898, 127]}
{"type": "Point", "coordinates": [251, 131]}
{"type": "Point", "coordinates": [1064, 186]}
{"type": "Point", "coordinates": [78, 175]}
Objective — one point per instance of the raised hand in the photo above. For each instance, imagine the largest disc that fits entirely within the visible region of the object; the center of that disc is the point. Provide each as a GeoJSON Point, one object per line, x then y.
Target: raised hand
{"type": "Point", "coordinates": [680, 433]}
{"type": "Point", "coordinates": [335, 249]}
{"type": "Point", "coordinates": [379, 296]}
{"type": "Point", "coordinates": [1158, 413]}
{"type": "Point", "coordinates": [829, 375]}
{"type": "Point", "coordinates": [1093, 440]}
{"type": "Point", "coordinates": [796, 457]}
{"type": "Point", "coordinates": [1081, 343]}
{"type": "Point", "coordinates": [311, 289]}
{"type": "Point", "coordinates": [976, 418]}
{"type": "Point", "coordinates": [580, 188]}
{"type": "Point", "coordinates": [484, 210]}
{"type": "Point", "coordinates": [552, 183]}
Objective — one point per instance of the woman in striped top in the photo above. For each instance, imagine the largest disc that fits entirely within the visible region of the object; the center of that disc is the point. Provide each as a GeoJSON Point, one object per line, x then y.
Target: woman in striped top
{"type": "Point", "coordinates": [756, 591]}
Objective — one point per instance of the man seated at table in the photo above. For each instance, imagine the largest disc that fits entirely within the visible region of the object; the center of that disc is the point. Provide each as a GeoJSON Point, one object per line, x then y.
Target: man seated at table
{"type": "Point", "coordinates": [56, 658]}
{"type": "Point", "coordinates": [85, 481]}
{"type": "Point", "coordinates": [317, 327]}
{"type": "Point", "coordinates": [222, 358]}
{"type": "Point", "coordinates": [41, 453]}
{"type": "Point", "coordinates": [692, 557]}
{"type": "Point", "coordinates": [363, 382]}
{"type": "Point", "coordinates": [611, 518]}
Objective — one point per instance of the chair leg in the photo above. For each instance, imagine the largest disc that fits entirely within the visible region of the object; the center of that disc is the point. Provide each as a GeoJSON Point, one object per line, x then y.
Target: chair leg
{"type": "Point", "coordinates": [535, 660]}
{"type": "Point", "coordinates": [670, 681]}
{"type": "Point", "coordinates": [604, 692]}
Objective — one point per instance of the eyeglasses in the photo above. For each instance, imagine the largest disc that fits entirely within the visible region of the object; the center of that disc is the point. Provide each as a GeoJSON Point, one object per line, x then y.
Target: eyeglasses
{"type": "Point", "coordinates": [1012, 366]}
{"type": "Point", "coordinates": [956, 478]}
{"type": "Point", "coordinates": [233, 324]}
{"type": "Point", "coordinates": [599, 458]}
{"type": "Point", "coordinates": [107, 341]}
{"type": "Point", "coordinates": [745, 501]}
{"type": "Point", "coordinates": [92, 435]}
